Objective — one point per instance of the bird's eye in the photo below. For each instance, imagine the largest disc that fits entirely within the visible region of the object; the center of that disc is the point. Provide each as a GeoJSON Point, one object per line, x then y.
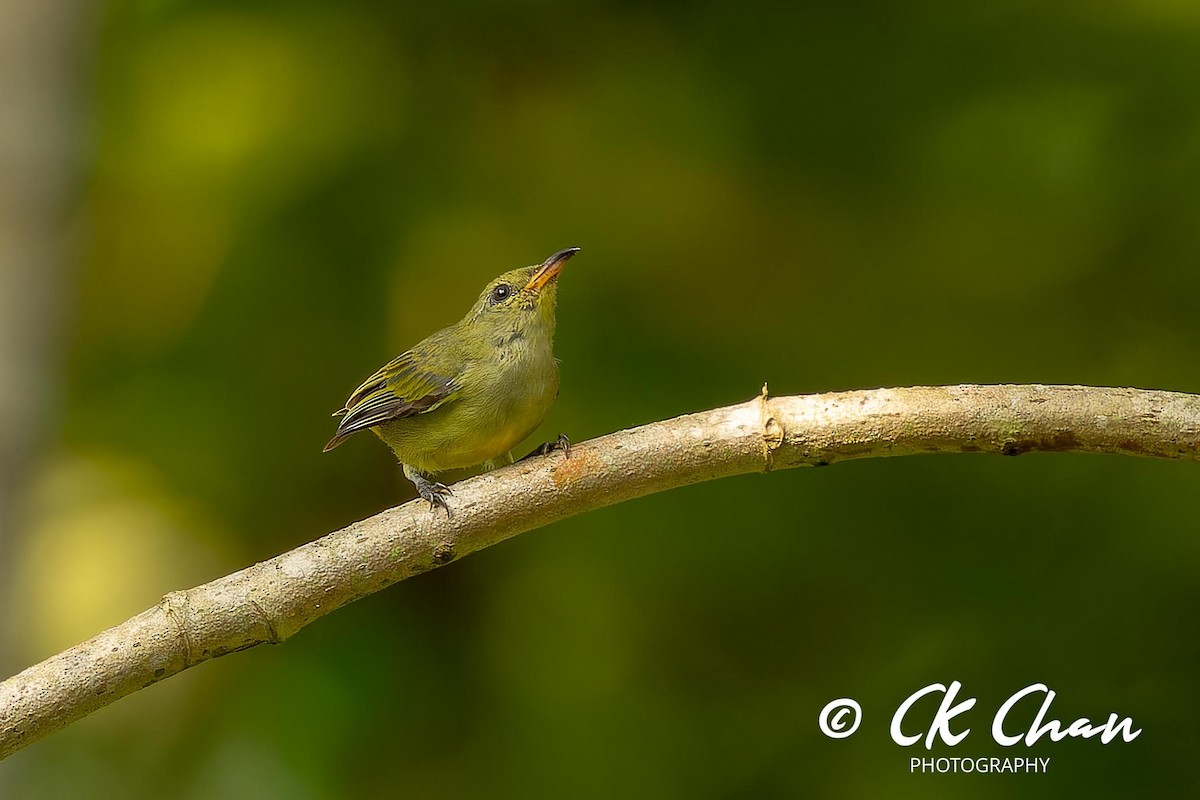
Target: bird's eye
{"type": "Point", "coordinates": [501, 293]}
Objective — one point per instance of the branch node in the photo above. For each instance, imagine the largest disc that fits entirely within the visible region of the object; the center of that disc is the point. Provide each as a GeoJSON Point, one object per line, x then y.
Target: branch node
{"type": "Point", "coordinates": [272, 631]}
{"type": "Point", "coordinates": [176, 606]}
{"type": "Point", "coordinates": [773, 432]}
{"type": "Point", "coordinates": [444, 553]}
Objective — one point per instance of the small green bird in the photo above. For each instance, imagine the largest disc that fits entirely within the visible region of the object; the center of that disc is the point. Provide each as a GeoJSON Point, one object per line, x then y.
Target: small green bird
{"type": "Point", "coordinates": [471, 392]}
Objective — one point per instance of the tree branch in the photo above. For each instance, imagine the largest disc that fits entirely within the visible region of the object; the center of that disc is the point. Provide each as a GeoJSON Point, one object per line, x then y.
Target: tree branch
{"type": "Point", "coordinates": [272, 600]}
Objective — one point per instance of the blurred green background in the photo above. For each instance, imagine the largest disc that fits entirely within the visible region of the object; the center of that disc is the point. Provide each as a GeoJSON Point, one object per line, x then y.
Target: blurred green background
{"type": "Point", "coordinates": [275, 198]}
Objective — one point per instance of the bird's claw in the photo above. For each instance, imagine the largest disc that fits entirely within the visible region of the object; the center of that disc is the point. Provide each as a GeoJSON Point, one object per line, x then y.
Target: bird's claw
{"type": "Point", "coordinates": [546, 448]}
{"type": "Point", "coordinates": [435, 493]}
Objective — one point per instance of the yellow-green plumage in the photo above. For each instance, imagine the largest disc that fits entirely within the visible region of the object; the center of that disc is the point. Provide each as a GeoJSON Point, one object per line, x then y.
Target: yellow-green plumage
{"type": "Point", "coordinates": [471, 392]}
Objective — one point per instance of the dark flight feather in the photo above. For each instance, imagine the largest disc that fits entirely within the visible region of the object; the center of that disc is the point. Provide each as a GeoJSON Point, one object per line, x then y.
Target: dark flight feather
{"type": "Point", "coordinates": [399, 389]}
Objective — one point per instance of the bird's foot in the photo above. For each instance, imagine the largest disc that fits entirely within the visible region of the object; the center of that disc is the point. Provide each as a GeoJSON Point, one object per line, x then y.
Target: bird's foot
{"type": "Point", "coordinates": [436, 493]}
{"type": "Point", "coordinates": [546, 448]}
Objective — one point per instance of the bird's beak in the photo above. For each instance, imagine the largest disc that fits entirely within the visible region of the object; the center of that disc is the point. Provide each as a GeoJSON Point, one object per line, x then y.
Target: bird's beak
{"type": "Point", "coordinates": [550, 269]}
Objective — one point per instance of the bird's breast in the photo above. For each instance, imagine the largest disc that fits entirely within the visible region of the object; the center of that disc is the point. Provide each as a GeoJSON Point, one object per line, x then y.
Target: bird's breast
{"type": "Point", "coordinates": [521, 381]}
{"type": "Point", "coordinates": [503, 399]}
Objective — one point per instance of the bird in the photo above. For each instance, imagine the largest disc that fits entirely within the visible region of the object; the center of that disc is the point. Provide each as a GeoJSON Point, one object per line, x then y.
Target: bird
{"type": "Point", "coordinates": [468, 394]}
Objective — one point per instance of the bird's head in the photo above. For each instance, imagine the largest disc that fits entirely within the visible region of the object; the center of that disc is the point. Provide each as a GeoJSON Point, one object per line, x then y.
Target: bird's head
{"type": "Point", "coordinates": [522, 299]}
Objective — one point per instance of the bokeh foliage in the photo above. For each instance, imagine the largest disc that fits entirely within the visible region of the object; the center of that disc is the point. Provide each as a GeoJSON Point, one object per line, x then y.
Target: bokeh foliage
{"type": "Point", "coordinates": [280, 196]}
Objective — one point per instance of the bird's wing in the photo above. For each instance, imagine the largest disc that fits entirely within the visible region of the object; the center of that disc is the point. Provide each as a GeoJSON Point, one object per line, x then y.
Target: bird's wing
{"type": "Point", "coordinates": [401, 388]}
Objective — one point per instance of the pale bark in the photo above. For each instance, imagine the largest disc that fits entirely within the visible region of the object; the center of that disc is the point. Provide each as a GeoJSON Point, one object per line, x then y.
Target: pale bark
{"type": "Point", "coordinates": [272, 600]}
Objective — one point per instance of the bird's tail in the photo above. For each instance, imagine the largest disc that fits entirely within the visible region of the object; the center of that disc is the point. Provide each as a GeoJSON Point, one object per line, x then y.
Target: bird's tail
{"type": "Point", "coordinates": [340, 436]}
{"type": "Point", "coordinates": [337, 439]}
